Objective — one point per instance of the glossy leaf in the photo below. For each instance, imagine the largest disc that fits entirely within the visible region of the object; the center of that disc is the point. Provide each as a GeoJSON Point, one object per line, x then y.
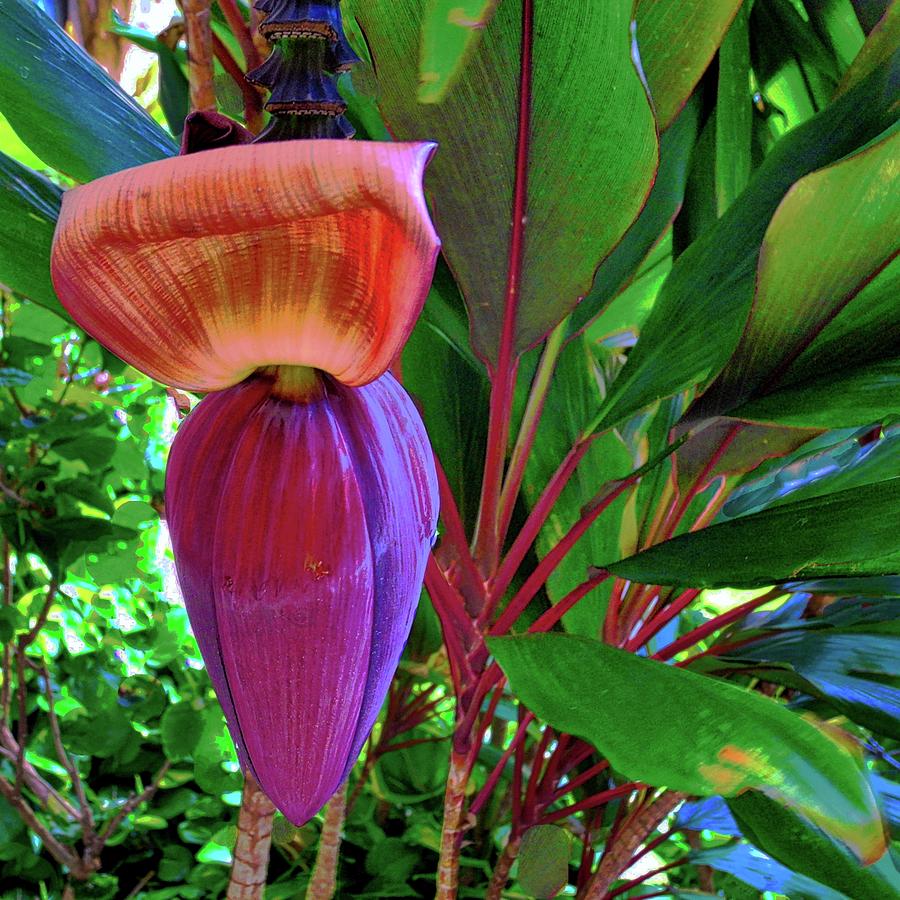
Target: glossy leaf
{"type": "Point", "coordinates": [450, 31]}
{"type": "Point", "coordinates": [849, 533]}
{"type": "Point", "coordinates": [29, 206]}
{"type": "Point", "coordinates": [564, 221]}
{"type": "Point", "coordinates": [670, 727]}
{"type": "Point", "coordinates": [617, 270]}
{"type": "Point", "coordinates": [798, 844]}
{"type": "Point", "coordinates": [832, 235]}
{"type": "Point", "coordinates": [734, 112]}
{"type": "Point", "coordinates": [881, 44]}
{"type": "Point", "coordinates": [698, 317]}
{"type": "Point", "coordinates": [64, 106]}
{"type": "Point", "coordinates": [677, 39]}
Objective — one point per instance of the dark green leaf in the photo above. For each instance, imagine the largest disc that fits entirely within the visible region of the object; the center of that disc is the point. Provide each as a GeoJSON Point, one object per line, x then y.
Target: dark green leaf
{"type": "Point", "coordinates": [670, 727]}
{"type": "Point", "coordinates": [568, 224]}
{"type": "Point", "coordinates": [801, 846]}
{"type": "Point", "coordinates": [849, 533]}
{"type": "Point", "coordinates": [698, 317]}
{"type": "Point", "coordinates": [29, 206]}
{"type": "Point", "coordinates": [64, 106]}
{"type": "Point", "coordinates": [181, 728]}
{"type": "Point", "coordinates": [814, 303]}
{"type": "Point", "coordinates": [677, 39]}
{"type": "Point", "coordinates": [734, 112]}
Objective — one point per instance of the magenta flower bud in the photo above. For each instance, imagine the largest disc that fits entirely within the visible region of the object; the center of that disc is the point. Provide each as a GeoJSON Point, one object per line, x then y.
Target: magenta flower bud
{"type": "Point", "coordinates": [301, 513]}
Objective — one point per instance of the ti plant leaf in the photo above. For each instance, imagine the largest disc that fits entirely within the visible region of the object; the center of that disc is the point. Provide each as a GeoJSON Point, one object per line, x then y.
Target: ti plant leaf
{"type": "Point", "coordinates": [670, 727]}
{"type": "Point", "coordinates": [450, 32]}
{"type": "Point", "coordinates": [701, 310]}
{"type": "Point", "coordinates": [798, 844]}
{"type": "Point", "coordinates": [844, 534]}
{"type": "Point", "coordinates": [677, 39]}
{"type": "Point", "coordinates": [64, 106]}
{"type": "Point", "coordinates": [819, 294]}
{"type": "Point", "coordinates": [521, 187]}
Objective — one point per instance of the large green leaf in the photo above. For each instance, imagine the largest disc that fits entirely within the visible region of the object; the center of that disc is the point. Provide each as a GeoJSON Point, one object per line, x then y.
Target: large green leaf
{"type": "Point", "coordinates": [617, 270]}
{"type": "Point", "coordinates": [797, 843]}
{"type": "Point", "coordinates": [673, 728]}
{"type": "Point", "coordinates": [589, 137]}
{"type": "Point", "coordinates": [63, 105]}
{"type": "Point", "coordinates": [849, 533]}
{"type": "Point", "coordinates": [833, 233]}
{"type": "Point", "coordinates": [677, 40]}
{"type": "Point", "coordinates": [29, 206]}
{"type": "Point", "coordinates": [451, 30]}
{"type": "Point", "coordinates": [700, 312]}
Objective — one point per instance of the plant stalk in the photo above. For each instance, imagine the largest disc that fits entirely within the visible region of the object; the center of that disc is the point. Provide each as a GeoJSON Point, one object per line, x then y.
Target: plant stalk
{"type": "Point", "coordinates": [323, 884]}
{"type": "Point", "coordinates": [453, 827]}
{"type": "Point", "coordinates": [254, 838]}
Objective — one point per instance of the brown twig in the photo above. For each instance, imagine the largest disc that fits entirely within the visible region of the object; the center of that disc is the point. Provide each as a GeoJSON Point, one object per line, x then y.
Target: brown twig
{"type": "Point", "coordinates": [323, 883]}
{"type": "Point", "coordinates": [501, 871]}
{"type": "Point", "coordinates": [254, 839]}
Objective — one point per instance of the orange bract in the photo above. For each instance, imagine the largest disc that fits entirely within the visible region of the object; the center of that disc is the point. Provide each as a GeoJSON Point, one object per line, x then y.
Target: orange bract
{"type": "Point", "coordinates": [199, 269]}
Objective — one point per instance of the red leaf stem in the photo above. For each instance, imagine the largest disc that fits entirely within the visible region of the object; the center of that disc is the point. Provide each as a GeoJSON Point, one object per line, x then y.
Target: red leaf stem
{"type": "Point", "coordinates": [581, 779]}
{"type": "Point", "coordinates": [241, 31]}
{"type": "Point", "coordinates": [707, 628]}
{"type": "Point", "coordinates": [497, 771]}
{"type": "Point", "coordinates": [641, 879]}
{"type": "Point", "coordinates": [655, 624]}
{"type": "Point", "coordinates": [504, 376]}
{"type": "Point", "coordinates": [534, 778]}
{"type": "Point", "coordinates": [592, 802]}
{"type": "Point", "coordinates": [548, 564]}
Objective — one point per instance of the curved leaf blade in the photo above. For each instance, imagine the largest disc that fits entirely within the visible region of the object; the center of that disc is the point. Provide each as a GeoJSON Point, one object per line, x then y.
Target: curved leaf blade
{"type": "Point", "coordinates": [590, 137]}
{"type": "Point", "coordinates": [29, 207]}
{"type": "Point", "coordinates": [670, 727]}
{"type": "Point", "coordinates": [850, 533]}
{"type": "Point", "coordinates": [64, 106]}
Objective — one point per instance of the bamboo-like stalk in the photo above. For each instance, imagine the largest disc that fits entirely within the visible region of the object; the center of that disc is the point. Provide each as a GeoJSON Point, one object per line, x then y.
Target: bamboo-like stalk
{"type": "Point", "coordinates": [323, 883]}
{"type": "Point", "coordinates": [254, 839]}
{"type": "Point", "coordinates": [453, 828]}
{"type": "Point", "coordinates": [198, 32]}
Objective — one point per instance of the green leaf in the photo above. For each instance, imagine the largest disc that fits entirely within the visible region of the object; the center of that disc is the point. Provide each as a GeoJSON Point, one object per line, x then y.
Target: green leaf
{"type": "Point", "coordinates": [451, 30]}
{"type": "Point", "coordinates": [734, 112]}
{"type": "Point", "coordinates": [590, 137]}
{"type": "Point", "coordinates": [618, 269]}
{"type": "Point", "coordinates": [544, 860]}
{"type": "Point", "coordinates": [880, 46]}
{"type": "Point", "coordinates": [29, 206]}
{"type": "Point", "coordinates": [849, 533]}
{"type": "Point", "coordinates": [831, 236]}
{"type": "Point", "coordinates": [677, 40]}
{"type": "Point", "coordinates": [698, 317]}
{"type": "Point", "coordinates": [64, 106]}
{"type": "Point", "coordinates": [838, 399]}
{"type": "Point", "coordinates": [181, 728]}
{"type": "Point", "coordinates": [670, 727]}
{"type": "Point", "coordinates": [798, 844]}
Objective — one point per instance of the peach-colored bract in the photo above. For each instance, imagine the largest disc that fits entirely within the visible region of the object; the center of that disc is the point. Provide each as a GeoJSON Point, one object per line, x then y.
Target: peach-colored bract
{"type": "Point", "coordinates": [199, 269]}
